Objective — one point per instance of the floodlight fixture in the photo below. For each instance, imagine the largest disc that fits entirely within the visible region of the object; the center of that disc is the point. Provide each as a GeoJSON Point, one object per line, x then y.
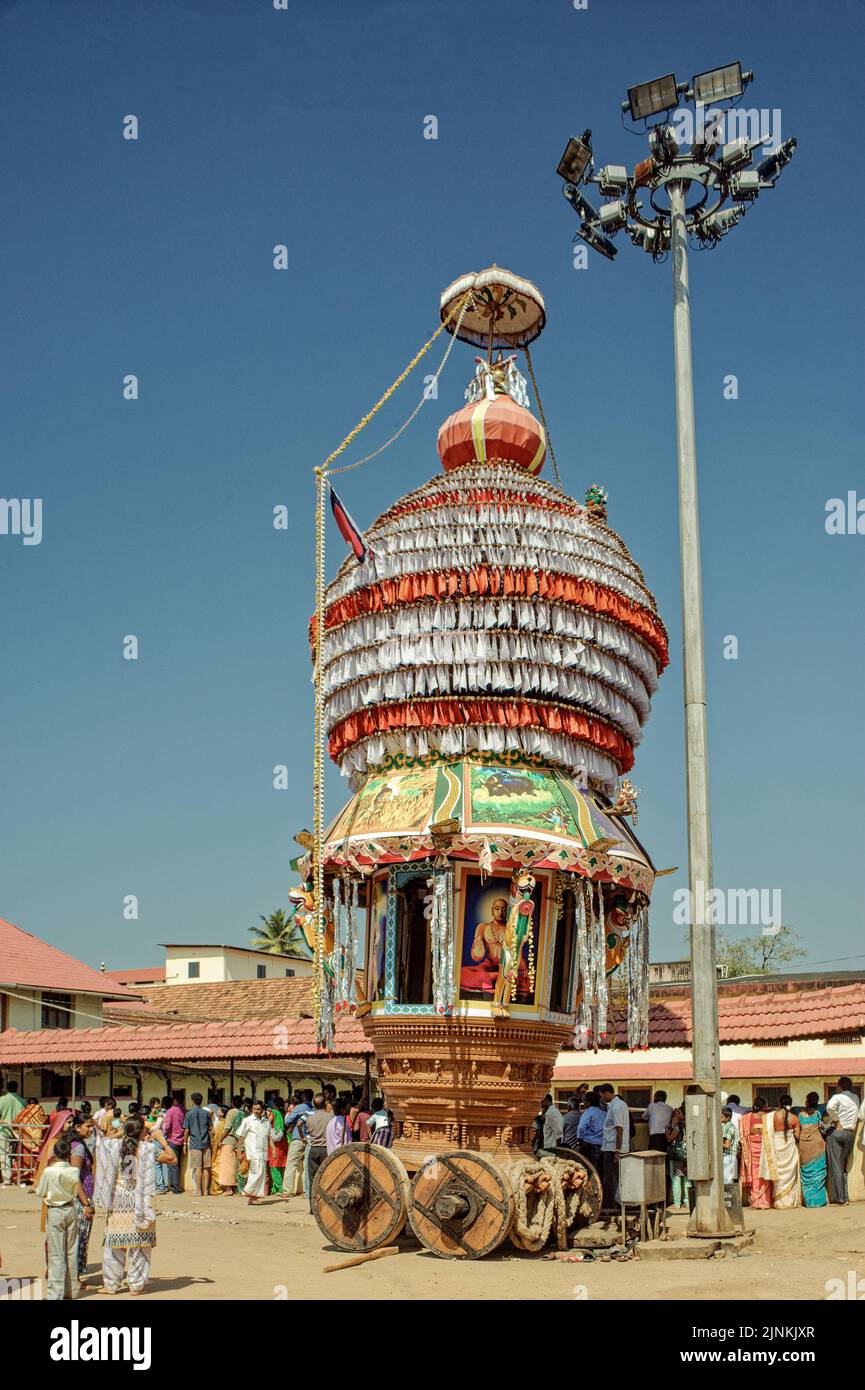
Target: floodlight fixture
{"type": "Point", "coordinates": [651, 98]}
{"type": "Point", "coordinates": [576, 159]}
{"type": "Point", "coordinates": [614, 215]}
{"type": "Point", "coordinates": [644, 237]}
{"type": "Point", "coordinates": [720, 222]}
{"type": "Point", "coordinates": [736, 154]}
{"type": "Point", "coordinates": [612, 179]}
{"type": "Point", "coordinates": [744, 187]}
{"type": "Point", "coordinates": [580, 203]}
{"type": "Point", "coordinates": [719, 84]}
{"type": "Point", "coordinates": [598, 242]}
{"type": "Point", "coordinates": [770, 167]}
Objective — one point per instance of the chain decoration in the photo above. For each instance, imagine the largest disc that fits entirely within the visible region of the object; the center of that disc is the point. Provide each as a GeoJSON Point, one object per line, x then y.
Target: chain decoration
{"type": "Point", "coordinates": [347, 467]}
{"type": "Point", "coordinates": [460, 310]}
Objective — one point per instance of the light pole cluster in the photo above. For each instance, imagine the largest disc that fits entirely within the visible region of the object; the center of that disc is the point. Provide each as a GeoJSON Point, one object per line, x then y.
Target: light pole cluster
{"type": "Point", "coordinates": [717, 173]}
{"type": "Point", "coordinates": [669, 198]}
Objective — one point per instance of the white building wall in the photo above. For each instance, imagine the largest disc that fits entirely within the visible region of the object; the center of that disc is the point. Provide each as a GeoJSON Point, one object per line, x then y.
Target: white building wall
{"type": "Point", "coordinates": [26, 1013]}
{"type": "Point", "coordinates": [217, 965]}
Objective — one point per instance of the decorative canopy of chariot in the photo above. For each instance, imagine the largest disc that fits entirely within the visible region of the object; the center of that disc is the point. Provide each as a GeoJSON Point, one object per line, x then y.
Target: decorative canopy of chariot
{"type": "Point", "coordinates": [499, 812]}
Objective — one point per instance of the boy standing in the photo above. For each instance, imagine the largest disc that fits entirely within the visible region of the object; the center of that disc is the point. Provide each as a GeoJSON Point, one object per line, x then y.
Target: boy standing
{"type": "Point", "coordinates": [58, 1187]}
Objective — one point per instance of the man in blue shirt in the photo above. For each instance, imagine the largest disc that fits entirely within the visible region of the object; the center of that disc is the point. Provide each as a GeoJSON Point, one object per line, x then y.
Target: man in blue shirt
{"type": "Point", "coordinates": [590, 1130]}
{"type": "Point", "coordinates": [294, 1162]}
{"type": "Point", "coordinates": [197, 1125]}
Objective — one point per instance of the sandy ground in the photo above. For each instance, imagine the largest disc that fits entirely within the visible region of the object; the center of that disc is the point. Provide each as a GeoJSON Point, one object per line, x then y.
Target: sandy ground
{"type": "Point", "coordinates": [223, 1248]}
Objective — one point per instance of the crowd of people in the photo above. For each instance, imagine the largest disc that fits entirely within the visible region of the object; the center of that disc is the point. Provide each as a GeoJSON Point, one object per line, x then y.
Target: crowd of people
{"type": "Point", "coordinates": [783, 1156]}
{"type": "Point", "coordinates": [117, 1160]}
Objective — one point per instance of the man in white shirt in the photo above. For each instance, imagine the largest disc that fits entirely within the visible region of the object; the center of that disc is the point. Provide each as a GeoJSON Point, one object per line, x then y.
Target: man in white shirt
{"type": "Point", "coordinates": [616, 1141]}
{"type": "Point", "coordinates": [658, 1115]}
{"type": "Point", "coordinates": [843, 1108]}
{"type": "Point", "coordinates": [554, 1125]}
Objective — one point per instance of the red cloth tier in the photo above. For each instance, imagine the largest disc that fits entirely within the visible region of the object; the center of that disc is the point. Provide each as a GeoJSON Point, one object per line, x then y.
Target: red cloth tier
{"type": "Point", "coordinates": [492, 431]}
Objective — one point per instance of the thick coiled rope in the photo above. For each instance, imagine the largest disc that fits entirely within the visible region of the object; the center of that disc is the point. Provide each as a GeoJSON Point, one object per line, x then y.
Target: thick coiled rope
{"type": "Point", "coordinates": [549, 1194]}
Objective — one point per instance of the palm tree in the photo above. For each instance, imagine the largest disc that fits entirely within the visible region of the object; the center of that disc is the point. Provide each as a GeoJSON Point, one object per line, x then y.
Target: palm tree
{"type": "Point", "coordinates": [279, 934]}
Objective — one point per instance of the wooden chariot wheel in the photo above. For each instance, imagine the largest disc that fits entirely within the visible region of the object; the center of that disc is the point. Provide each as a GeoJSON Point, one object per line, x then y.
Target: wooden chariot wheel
{"type": "Point", "coordinates": [461, 1205]}
{"type": "Point", "coordinates": [360, 1197]}
{"type": "Point", "coordinates": [593, 1192]}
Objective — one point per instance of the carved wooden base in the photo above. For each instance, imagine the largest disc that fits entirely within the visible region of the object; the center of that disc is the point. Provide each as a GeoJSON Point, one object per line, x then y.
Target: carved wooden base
{"type": "Point", "coordinates": [464, 1083]}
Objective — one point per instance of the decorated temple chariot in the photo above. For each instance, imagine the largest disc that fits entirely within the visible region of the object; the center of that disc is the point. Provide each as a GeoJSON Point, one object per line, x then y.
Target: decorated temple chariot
{"type": "Point", "coordinates": [485, 659]}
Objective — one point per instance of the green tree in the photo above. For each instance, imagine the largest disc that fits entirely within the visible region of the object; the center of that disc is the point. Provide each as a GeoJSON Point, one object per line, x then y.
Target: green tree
{"type": "Point", "coordinates": [760, 955]}
{"type": "Point", "coordinates": [279, 934]}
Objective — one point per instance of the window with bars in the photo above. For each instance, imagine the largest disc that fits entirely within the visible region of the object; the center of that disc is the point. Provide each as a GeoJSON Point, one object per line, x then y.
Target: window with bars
{"type": "Point", "coordinates": [636, 1097]}
{"type": "Point", "coordinates": [56, 1010]}
{"type": "Point", "coordinates": [771, 1094]}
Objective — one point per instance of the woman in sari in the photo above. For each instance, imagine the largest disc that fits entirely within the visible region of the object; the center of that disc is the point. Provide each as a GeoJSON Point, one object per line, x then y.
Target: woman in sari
{"type": "Point", "coordinates": [780, 1161]}
{"type": "Point", "coordinates": [677, 1162]}
{"type": "Point", "coordinates": [277, 1149]}
{"type": "Point", "coordinates": [60, 1121]}
{"type": "Point", "coordinates": [759, 1189]}
{"type": "Point", "coordinates": [125, 1186]}
{"type": "Point", "coordinates": [30, 1127]}
{"type": "Point", "coordinates": [812, 1154]}
{"type": "Point", "coordinates": [729, 1145]}
{"type": "Point", "coordinates": [225, 1153]}
{"type": "Point", "coordinates": [79, 1133]}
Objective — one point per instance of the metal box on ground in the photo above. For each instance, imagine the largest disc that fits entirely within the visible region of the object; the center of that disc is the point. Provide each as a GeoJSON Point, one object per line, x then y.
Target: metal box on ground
{"type": "Point", "coordinates": [642, 1177]}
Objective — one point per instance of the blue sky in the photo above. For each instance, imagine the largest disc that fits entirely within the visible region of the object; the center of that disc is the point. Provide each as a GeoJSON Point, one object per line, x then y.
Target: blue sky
{"type": "Point", "coordinates": [154, 257]}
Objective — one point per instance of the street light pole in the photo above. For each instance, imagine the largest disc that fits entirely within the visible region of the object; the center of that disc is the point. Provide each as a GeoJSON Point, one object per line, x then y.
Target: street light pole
{"type": "Point", "coordinates": [709, 1216]}
{"type": "Point", "coordinates": [649, 204]}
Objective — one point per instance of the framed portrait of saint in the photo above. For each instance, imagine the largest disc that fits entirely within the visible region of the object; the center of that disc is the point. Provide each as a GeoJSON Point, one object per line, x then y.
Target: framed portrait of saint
{"type": "Point", "coordinates": [485, 913]}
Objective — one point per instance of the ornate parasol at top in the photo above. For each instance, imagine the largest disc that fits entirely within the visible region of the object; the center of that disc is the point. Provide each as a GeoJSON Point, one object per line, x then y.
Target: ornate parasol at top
{"type": "Point", "coordinates": [507, 312]}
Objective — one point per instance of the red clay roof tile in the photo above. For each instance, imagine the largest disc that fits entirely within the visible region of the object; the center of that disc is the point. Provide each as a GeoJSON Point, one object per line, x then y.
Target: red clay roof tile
{"type": "Point", "coordinates": [33, 964]}
{"type": "Point", "coordinates": [220, 1041]}
{"type": "Point", "coordinates": [761, 1017]}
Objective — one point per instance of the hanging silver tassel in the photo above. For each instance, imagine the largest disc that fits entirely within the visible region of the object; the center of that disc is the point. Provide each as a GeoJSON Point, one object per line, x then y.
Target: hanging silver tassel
{"type": "Point", "coordinates": [345, 946]}
{"type": "Point", "coordinates": [584, 1016]}
{"type": "Point", "coordinates": [600, 960]}
{"type": "Point", "coordinates": [442, 943]}
{"type": "Point", "coordinates": [642, 1002]}
{"type": "Point", "coordinates": [632, 966]}
{"type": "Point", "coordinates": [352, 951]}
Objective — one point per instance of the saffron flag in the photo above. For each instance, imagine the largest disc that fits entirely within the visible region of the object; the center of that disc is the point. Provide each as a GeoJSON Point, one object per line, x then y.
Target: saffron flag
{"type": "Point", "coordinates": [349, 530]}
